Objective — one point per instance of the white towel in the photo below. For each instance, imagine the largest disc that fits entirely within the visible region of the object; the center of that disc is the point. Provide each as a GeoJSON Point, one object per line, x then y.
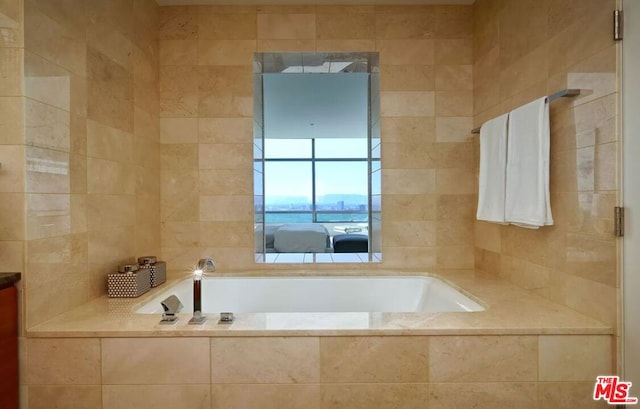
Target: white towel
{"type": "Point", "coordinates": [493, 159]}
{"type": "Point", "coordinates": [527, 202]}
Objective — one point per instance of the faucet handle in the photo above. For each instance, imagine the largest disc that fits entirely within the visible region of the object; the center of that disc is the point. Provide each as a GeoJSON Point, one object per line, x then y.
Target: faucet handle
{"type": "Point", "coordinates": [206, 264]}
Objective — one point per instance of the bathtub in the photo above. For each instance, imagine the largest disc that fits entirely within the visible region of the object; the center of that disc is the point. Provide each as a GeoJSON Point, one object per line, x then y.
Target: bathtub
{"type": "Point", "coordinates": [318, 294]}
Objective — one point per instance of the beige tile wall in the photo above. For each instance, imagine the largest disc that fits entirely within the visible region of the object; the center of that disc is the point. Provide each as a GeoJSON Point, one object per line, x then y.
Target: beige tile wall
{"type": "Point", "coordinates": [436, 372]}
{"type": "Point", "coordinates": [206, 125]}
{"type": "Point", "coordinates": [523, 50]}
{"type": "Point", "coordinates": [12, 137]}
{"type": "Point", "coordinates": [91, 155]}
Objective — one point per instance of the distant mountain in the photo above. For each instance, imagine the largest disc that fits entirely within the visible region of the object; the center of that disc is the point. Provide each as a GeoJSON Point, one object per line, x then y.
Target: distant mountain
{"type": "Point", "coordinates": [348, 199]}
{"type": "Point", "coordinates": [324, 199]}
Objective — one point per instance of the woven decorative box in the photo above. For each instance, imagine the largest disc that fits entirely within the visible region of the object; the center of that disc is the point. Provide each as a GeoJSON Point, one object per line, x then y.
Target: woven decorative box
{"type": "Point", "coordinates": [157, 269]}
{"type": "Point", "coordinates": [128, 282]}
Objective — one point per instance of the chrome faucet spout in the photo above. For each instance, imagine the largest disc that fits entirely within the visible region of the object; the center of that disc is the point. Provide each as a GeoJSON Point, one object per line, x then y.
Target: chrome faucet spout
{"type": "Point", "coordinates": [206, 265]}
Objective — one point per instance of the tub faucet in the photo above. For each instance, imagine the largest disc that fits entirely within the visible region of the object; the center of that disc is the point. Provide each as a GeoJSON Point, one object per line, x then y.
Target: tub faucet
{"type": "Point", "coordinates": [204, 264]}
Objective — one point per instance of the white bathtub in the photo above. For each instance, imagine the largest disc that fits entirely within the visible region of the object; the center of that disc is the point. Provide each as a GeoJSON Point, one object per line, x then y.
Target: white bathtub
{"type": "Point", "coordinates": [318, 294]}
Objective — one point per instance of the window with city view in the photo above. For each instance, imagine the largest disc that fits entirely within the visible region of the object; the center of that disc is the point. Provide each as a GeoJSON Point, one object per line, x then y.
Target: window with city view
{"type": "Point", "coordinates": [316, 164]}
{"type": "Point", "coordinates": [322, 180]}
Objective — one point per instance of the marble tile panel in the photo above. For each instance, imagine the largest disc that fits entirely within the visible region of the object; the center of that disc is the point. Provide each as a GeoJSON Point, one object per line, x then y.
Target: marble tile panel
{"type": "Point", "coordinates": [453, 22]}
{"type": "Point", "coordinates": [276, 26]}
{"type": "Point", "coordinates": [11, 120]}
{"type": "Point", "coordinates": [226, 208]}
{"type": "Point", "coordinates": [286, 9]}
{"type": "Point", "coordinates": [224, 81]}
{"type": "Point", "coordinates": [407, 77]}
{"type": "Point", "coordinates": [178, 91]}
{"type": "Point", "coordinates": [78, 213]}
{"type": "Point", "coordinates": [486, 26]}
{"type": "Point", "coordinates": [487, 261]}
{"type": "Point", "coordinates": [225, 156]}
{"type": "Point", "coordinates": [225, 130]}
{"type": "Point", "coordinates": [399, 208]}
{"type": "Point", "coordinates": [129, 361]}
{"type": "Point", "coordinates": [407, 103]}
{"type": "Point", "coordinates": [409, 233]}
{"type": "Point", "coordinates": [225, 181]}
{"type": "Point", "coordinates": [487, 236]}
{"type": "Point", "coordinates": [57, 34]}
{"type": "Point", "coordinates": [453, 51]}
{"type": "Point", "coordinates": [178, 23]}
{"type": "Point", "coordinates": [48, 215]}
{"type": "Point", "coordinates": [105, 211]}
{"type": "Point", "coordinates": [529, 70]}
{"type": "Point", "coordinates": [374, 359]}
{"type": "Point", "coordinates": [406, 52]}
{"type": "Point", "coordinates": [156, 396]}
{"type": "Point", "coordinates": [212, 105]}
{"type": "Point", "coordinates": [592, 298]}
{"type": "Point", "coordinates": [454, 77]}
{"type": "Point", "coordinates": [453, 129]}
{"type": "Point", "coordinates": [412, 155]}
{"type": "Point", "coordinates": [181, 207]}
{"type": "Point", "coordinates": [406, 25]}
{"type": "Point", "coordinates": [273, 396]}
{"type": "Point", "coordinates": [11, 67]}
{"type": "Point", "coordinates": [453, 155]}
{"type": "Point", "coordinates": [236, 234]}
{"type": "Point", "coordinates": [109, 177]}
{"type": "Point", "coordinates": [454, 103]}
{"type": "Point", "coordinates": [63, 397]}
{"type": "Point", "coordinates": [63, 361]}
{"type": "Point", "coordinates": [483, 358]}
{"type": "Point", "coordinates": [455, 257]}
{"type": "Point", "coordinates": [46, 126]}
{"type": "Point", "coordinates": [12, 158]}
{"type": "Point", "coordinates": [110, 92]}
{"type": "Point", "coordinates": [348, 25]}
{"type": "Point", "coordinates": [378, 395]}
{"type": "Point", "coordinates": [180, 234]}
{"type": "Point", "coordinates": [524, 273]}
{"type": "Point", "coordinates": [268, 45]}
{"type": "Point", "coordinates": [12, 226]}
{"type": "Point", "coordinates": [348, 45]}
{"type": "Point", "coordinates": [455, 181]}
{"type": "Point", "coordinates": [567, 395]}
{"type": "Point", "coordinates": [178, 52]}
{"type": "Point", "coordinates": [13, 255]}
{"type": "Point", "coordinates": [409, 257]}
{"type": "Point", "coordinates": [46, 82]}
{"type": "Point", "coordinates": [110, 143]}
{"type": "Point", "coordinates": [574, 357]}
{"type": "Point", "coordinates": [409, 181]}
{"type": "Point", "coordinates": [408, 129]}
{"type": "Point", "coordinates": [265, 360]}
{"type": "Point", "coordinates": [47, 171]}
{"type": "Point", "coordinates": [111, 42]}
{"type": "Point", "coordinates": [179, 156]}
{"type": "Point", "coordinates": [605, 164]}
{"type": "Point", "coordinates": [12, 15]}
{"type": "Point", "coordinates": [483, 395]}
{"type": "Point", "coordinates": [526, 244]}
{"type": "Point", "coordinates": [227, 26]}
{"type": "Point", "coordinates": [523, 27]}
{"type": "Point", "coordinates": [226, 52]}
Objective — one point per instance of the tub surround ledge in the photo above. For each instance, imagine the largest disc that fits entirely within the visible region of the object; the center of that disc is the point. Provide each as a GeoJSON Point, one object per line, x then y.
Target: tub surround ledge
{"type": "Point", "coordinates": [509, 311]}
